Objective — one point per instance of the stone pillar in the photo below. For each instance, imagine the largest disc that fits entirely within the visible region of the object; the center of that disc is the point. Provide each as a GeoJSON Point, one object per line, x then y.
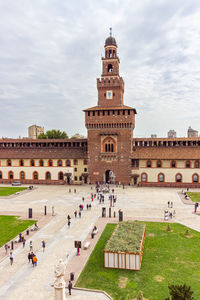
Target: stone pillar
{"type": "Point", "coordinates": [60, 293]}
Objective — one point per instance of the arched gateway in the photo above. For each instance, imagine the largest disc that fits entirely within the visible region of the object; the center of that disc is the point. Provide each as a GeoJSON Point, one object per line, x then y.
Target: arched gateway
{"type": "Point", "coordinates": [109, 177]}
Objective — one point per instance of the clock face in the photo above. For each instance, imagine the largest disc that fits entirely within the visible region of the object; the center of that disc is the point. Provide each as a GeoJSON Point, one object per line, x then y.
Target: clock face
{"type": "Point", "coordinates": [109, 95]}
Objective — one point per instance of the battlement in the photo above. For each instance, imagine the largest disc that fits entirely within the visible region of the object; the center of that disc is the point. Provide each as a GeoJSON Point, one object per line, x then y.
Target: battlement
{"type": "Point", "coordinates": [110, 82]}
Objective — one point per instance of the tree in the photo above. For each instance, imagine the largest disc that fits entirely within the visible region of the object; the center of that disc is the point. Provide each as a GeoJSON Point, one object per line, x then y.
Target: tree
{"type": "Point", "coordinates": [180, 292]}
{"type": "Point", "coordinates": [42, 136]}
{"type": "Point", "coordinates": [53, 134]}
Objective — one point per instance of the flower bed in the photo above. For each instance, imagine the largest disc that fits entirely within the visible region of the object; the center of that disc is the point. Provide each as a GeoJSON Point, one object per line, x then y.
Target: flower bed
{"type": "Point", "coordinates": [125, 247]}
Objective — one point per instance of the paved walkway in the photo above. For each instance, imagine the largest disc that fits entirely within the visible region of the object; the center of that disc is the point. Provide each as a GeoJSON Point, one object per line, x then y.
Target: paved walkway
{"type": "Point", "coordinates": [22, 281]}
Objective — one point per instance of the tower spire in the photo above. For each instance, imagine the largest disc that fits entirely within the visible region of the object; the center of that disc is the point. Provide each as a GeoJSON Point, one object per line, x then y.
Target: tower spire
{"type": "Point", "coordinates": [110, 31]}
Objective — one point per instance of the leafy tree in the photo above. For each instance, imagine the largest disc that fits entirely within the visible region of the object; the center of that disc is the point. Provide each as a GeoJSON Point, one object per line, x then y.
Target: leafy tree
{"type": "Point", "coordinates": [53, 134]}
{"type": "Point", "coordinates": [180, 292]}
{"type": "Point", "coordinates": [42, 136]}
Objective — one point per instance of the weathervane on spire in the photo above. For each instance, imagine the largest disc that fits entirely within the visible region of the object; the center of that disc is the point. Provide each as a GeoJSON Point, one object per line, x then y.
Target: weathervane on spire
{"type": "Point", "coordinates": [110, 31]}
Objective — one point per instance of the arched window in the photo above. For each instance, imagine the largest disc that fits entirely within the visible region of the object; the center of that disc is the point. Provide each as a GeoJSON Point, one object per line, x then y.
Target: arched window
{"type": "Point", "coordinates": [109, 145]}
{"type": "Point", "coordinates": [196, 164]}
{"type": "Point", "coordinates": [22, 175]}
{"type": "Point", "coordinates": [48, 176]}
{"type": "Point", "coordinates": [9, 162]}
{"type": "Point", "coordinates": [148, 164]}
{"type": "Point", "coordinates": [10, 175]}
{"type": "Point", "coordinates": [21, 163]}
{"type": "Point", "coordinates": [68, 164]}
{"type": "Point", "coordinates": [159, 164]}
{"type": "Point", "coordinates": [110, 68]}
{"type": "Point", "coordinates": [187, 164]}
{"type": "Point", "coordinates": [59, 163]}
{"type": "Point", "coordinates": [195, 178]}
{"type": "Point", "coordinates": [144, 177]}
{"type": "Point", "coordinates": [32, 163]}
{"type": "Point", "coordinates": [35, 175]}
{"type": "Point", "coordinates": [178, 177]}
{"type": "Point", "coordinates": [173, 164]}
{"type": "Point", "coordinates": [50, 163]}
{"type": "Point", "coordinates": [41, 163]}
{"type": "Point", "coordinates": [1, 175]}
{"type": "Point", "coordinates": [60, 176]}
{"type": "Point", "coordinates": [161, 177]}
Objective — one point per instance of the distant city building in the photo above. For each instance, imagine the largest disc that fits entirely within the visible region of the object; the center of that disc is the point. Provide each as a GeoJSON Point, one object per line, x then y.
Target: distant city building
{"type": "Point", "coordinates": [78, 136]}
{"type": "Point", "coordinates": [171, 133]}
{"type": "Point", "coordinates": [153, 136]}
{"type": "Point", "coordinates": [34, 131]}
{"type": "Point", "coordinates": [192, 132]}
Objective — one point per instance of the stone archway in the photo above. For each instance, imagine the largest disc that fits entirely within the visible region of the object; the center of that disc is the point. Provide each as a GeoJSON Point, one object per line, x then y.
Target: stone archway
{"type": "Point", "coordinates": [109, 177]}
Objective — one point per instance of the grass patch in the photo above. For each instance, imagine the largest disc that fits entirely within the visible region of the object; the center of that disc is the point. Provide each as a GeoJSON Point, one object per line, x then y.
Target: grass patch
{"type": "Point", "coordinates": [7, 191]}
{"type": "Point", "coordinates": [194, 196]}
{"type": "Point", "coordinates": [168, 258]}
{"type": "Point", "coordinates": [11, 226]}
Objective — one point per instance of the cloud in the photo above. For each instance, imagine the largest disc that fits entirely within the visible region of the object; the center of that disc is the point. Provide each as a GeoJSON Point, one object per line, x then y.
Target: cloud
{"type": "Point", "coordinates": [50, 56]}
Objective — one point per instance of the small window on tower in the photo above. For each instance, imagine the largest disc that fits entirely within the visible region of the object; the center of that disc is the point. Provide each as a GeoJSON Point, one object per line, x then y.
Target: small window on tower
{"type": "Point", "coordinates": [88, 113]}
{"type": "Point", "coordinates": [93, 113]}
{"type": "Point", "coordinates": [104, 94]}
{"type": "Point", "coordinates": [110, 68]}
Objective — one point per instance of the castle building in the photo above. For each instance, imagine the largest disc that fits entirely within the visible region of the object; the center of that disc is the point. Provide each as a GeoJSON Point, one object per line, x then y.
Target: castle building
{"type": "Point", "coordinates": [110, 153]}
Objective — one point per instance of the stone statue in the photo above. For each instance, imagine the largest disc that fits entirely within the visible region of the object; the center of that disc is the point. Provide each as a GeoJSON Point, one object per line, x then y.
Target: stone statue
{"type": "Point", "coordinates": [59, 273]}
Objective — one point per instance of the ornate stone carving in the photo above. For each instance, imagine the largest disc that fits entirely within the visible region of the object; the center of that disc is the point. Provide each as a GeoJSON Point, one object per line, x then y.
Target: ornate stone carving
{"type": "Point", "coordinates": [60, 273]}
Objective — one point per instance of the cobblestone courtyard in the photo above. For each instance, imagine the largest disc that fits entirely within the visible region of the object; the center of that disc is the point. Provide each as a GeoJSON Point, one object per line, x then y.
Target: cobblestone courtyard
{"type": "Point", "coordinates": [22, 281]}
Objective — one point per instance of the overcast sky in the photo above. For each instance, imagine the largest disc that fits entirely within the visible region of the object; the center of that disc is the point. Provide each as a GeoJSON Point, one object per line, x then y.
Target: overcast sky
{"type": "Point", "coordinates": [50, 57]}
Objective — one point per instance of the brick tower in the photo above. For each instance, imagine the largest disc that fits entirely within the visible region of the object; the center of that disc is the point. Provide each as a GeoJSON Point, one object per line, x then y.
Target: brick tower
{"type": "Point", "coordinates": [110, 124]}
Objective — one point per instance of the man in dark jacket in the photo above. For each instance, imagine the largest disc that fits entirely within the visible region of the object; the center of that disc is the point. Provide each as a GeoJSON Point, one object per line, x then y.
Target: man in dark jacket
{"type": "Point", "coordinates": [70, 287]}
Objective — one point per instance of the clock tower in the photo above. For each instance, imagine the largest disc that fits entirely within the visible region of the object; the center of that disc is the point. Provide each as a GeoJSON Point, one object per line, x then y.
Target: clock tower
{"type": "Point", "coordinates": [110, 124]}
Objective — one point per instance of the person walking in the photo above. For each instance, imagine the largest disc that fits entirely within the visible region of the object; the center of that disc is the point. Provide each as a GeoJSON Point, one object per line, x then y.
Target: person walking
{"type": "Point", "coordinates": [29, 257]}
{"type": "Point", "coordinates": [68, 223]}
{"type": "Point", "coordinates": [75, 213]}
{"type": "Point", "coordinates": [70, 287]}
{"type": "Point", "coordinates": [24, 242]}
{"type": "Point", "coordinates": [31, 246]}
{"type": "Point", "coordinates": [171, 204]}
{"type": "Point", "coordinates": [43, 245]}
{"type": "Point", "coordinates": [11, 258]}
{"type": "Point", "coordinates": [6, 248]}
{"type": "Point", "coordinates": [34, 260]}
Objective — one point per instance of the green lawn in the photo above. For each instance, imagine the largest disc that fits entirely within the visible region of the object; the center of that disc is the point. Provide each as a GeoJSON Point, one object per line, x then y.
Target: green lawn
{"type": "Point", "coordinates": [11, 226]}
{"type": "Point", "coordinates": [7, 191]}
{"type": "Point", "coordinates": [194, 196]}
{"type": "Point", "coordinates": [168, 258]}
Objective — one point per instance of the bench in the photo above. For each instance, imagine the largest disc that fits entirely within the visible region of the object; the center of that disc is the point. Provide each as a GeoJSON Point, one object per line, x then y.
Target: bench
{"type": "Point", "coordinates": [86, 246]}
